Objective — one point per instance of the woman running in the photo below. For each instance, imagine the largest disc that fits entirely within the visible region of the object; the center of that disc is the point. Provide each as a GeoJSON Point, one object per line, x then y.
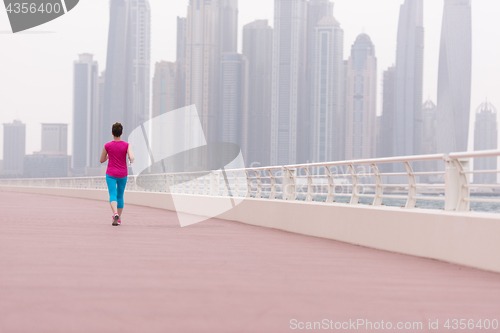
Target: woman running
{"type": "Point", "coordinates": [116, 175]}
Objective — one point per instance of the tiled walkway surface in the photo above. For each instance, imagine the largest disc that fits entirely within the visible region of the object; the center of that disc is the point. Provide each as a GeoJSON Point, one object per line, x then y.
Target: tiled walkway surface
{"type": "Point", "coordinates": [64, 268]}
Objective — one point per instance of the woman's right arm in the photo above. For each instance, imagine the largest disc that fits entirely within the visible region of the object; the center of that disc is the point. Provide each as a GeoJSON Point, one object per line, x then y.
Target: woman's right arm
{"type": "Point", "coordinates": [104, 155]}
{"type": "Point", "coordinates": [130, 153]}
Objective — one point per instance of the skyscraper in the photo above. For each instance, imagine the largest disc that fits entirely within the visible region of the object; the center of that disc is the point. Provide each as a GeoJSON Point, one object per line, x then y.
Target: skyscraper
{"type": "Point", "coordinates": [316, 11]}
{"type": "Point", "coordinates": [164, 88]}
{"type": "Point", "coordinates": [127, 83]}
{"type": "Point", "coordinates": [486, 138]}
{"type": "Point", "coordinates": [258, 49]}
{"type": "Point", "coordinates": [361, 100]}
{"type": "Point", "coordinates": [234, 100]}
{"type": "Point", "coordinates": [327, 130]}
{"type": "Point", "coordinates": [289, 117]}
{"type": "Point", "coordinates": [202, 68]}
{"type": "Point", "coordinates": [165, 85]}
{"type": "Point", "coordinates": [229, 26]}
{"type": "Point", "coordinates": [387, 123]}
{"type": "Point", "coordinates": [454, 78]}
{"type": "Point", "coordinates": [409, 79]}
{"type": "Point", "coordinates": [429, 133]}
{"type": "Point", "coordinates": [14, 147]}
{"type": "Point", "coordinates": [86, 118]}
{"type": "Point", "coordinates": [55, 139]}
{"type": "Point", "coordinates": [429, 136]}
{"type": "Point", "coordinates": [181, 61]}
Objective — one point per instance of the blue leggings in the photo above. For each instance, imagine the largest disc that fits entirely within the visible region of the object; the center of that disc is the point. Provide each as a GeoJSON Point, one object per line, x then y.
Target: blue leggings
{"type": "Point", "coordinates": [116, 187]}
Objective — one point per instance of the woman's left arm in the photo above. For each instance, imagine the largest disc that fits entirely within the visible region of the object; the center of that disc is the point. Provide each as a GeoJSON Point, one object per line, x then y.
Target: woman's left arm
{"type": "Point", "coordinates": [104, 155]}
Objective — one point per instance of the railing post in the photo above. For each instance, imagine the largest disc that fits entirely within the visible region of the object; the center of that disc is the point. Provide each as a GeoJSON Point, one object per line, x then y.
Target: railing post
{"type": "Point", "coordinates": [288, 192]}
{"type": "Point", "coordinates": [258, 194]}
{"type": "Point", "coordinates": [331, 185]}
{"type": "Point", "coordinates": [310, 186]}
{"type": "Point", "coordinates": [456, 184]}
{"type": "Point", "coordinates": [411, 202]}
{"type": "Point", "coordinates": [379, 190]}
{"type": "Point", "coordinates": [355, 182]}
{"type": "Point", "coordinates": [248, 193]}
{"type": "Point", "coordinates": [272, 179]}
{"type": "Point", "coordinates": [214, 184]}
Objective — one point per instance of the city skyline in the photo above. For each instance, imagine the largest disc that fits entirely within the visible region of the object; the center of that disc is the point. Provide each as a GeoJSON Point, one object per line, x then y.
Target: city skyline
{"type": "Point", "coordinates": [346, 42]}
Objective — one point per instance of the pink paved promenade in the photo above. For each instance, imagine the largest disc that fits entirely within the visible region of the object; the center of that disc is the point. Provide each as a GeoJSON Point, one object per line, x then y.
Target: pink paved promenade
{"type": "Point", "coordinates": [64, 268]}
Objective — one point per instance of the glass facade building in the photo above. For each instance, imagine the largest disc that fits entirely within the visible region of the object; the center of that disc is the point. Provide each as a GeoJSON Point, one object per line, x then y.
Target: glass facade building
{"type": "Point", "coordinates": [258, 49]}
{"type": "Point", "coordinates": [289, 115]}
{"type": "Point", "coordinates": [327, 117]}
{"type": "Point", "coordinates": [361, 100]}
{"type": "Point", "coordinates": [407, 138]}
{"type": "Point", "coordinates": [454, 77]}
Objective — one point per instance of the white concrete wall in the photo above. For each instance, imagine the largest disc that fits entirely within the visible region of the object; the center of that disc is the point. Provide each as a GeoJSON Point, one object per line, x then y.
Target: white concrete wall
{"type": "Point", "coordinates": [470, 239]}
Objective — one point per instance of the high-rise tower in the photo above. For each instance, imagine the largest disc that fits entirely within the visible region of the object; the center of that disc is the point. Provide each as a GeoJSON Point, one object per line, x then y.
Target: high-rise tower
{"type": "Point", "coordinates": [361, 100]}
{"type": "Point", "coordinates": [326, 80]}
{"type": "Point", "coordinates": [387, 123]}
{"type": "Point", "coordinates": [486, 138]}
{"type": "Point", "coordinates": [87, 122]}
{"type": "Point", "coordinates": [229, 26]}
{"type": "Point", "coordinates": [258, 49]}
{"type": "Point", "coordinates": [181, 61]}
{"type": "Point", "coordinates": [234, 101]}
{"type": "Point", "coordinates": [409, 80]}
{"type": "Point", "coordinates": [289, 117]}
{"type": "Point", "coordinates": [14, 147]}
{"type": "Point", "coordinates": [202, 68]}
{"type": "Point", "coordinates": [316, 11]}
{"type": "Point", "coordinates": [127, 83]}
{"type": "Point", "coordinates": [454, 80]}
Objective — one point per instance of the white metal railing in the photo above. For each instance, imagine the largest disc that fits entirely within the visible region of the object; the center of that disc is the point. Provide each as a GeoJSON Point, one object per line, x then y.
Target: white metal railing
{"type": "Point", "coordinates": [346, 181]}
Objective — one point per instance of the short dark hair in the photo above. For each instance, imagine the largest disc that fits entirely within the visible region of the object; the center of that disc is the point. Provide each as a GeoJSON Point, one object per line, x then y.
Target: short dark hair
{"type": "Point", "coordinates": [117, 130]}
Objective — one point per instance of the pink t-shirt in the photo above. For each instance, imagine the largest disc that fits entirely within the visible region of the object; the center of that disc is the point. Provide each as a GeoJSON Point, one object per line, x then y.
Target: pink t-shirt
{"type": "Point", "coordinates": [117, 153]}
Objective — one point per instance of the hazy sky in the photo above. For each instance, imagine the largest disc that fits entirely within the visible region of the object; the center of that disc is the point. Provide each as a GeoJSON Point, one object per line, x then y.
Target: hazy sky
{"type": "Point", "coordinates": [36, 68]}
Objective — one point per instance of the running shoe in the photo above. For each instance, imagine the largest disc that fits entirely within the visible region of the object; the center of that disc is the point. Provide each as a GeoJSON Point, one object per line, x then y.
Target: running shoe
{"type": "Point", "coordinates": [119, 221]}
{"type": "Point", "coordinates": [116, 218]}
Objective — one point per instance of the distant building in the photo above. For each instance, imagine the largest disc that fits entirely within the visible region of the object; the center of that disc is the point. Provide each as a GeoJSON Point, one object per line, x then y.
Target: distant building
{"type": "Point", "coordinates": [289, 115]}
{"type": "Point", "coordinates": [164, 88]}
{"type": "Point", "coordinates": [203, 69]}
{"type": "Point", "coordinates": [41, 165]}
{"type": "Point", "coordinates": [378, 135]}
{"type": "Point", "coordinates": [14, 147]}
{"type": "Point", "coordinates": [454, 77]}
{"type": "Point", "coordinates": [128, 81]}
{"type": "Point", "coordinates": [234, 100]}
{"type": "Point", "coordinates": [429, 133]}
{"type": "Point", "coordinates": [55, 138]}
{"type": "Point", "coordinates": [409, 80]}
{"type": "Point", "coordinates": [258, 49]}
{"type": "Point", "coordinates": [165, 85]}
{"type": "Point", "coordinates": [429, 138]}
{"type": "Point", "coordinates": [87, 125]}
{"type": "Point", "coordinates": [181, 61]}
{"type": "Point", "coordinates": [316, 11]}
{"type": "Point", "coordinates": [486, 138]}
{"type": "Point", "coordinates": [387, 123]}
{"type": "Point", "coordinates": [361, 100]}
{"type": "Point", "coordinates": [229, 26]}
{"type": "Point", "coordinates": [53, 160]}
{"type": "Point", "coordinates": [327, 101]}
